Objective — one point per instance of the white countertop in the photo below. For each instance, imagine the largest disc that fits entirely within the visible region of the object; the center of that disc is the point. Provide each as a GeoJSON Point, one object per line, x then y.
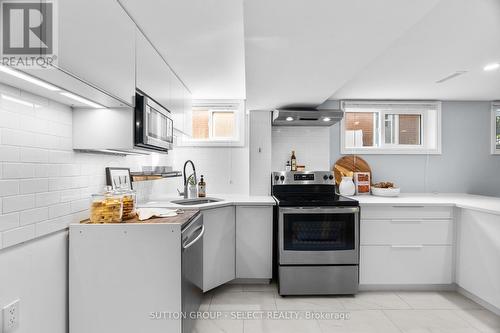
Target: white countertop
{"type": "Point", "coordinates": [226, 200]}
{"type": "Point", "coordinates": [461, 200]}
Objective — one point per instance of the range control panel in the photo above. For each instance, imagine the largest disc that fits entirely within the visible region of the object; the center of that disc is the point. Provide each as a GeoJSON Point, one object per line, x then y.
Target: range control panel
{"type": "Point", "coordinates": [303, 177]}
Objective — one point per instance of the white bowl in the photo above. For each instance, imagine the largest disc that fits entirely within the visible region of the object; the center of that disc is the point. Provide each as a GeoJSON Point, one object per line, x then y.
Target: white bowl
{"type": "Point", "coordinates": [385, 192]}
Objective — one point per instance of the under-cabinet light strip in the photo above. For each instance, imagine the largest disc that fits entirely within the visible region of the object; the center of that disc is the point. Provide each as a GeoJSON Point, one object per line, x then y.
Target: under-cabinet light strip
{"type": "Point", "coordinates": [82, 100]}
{"type": "Point", "coordinates": [28, 78]}
{"type": "Point", "coordinates": [19, 101]}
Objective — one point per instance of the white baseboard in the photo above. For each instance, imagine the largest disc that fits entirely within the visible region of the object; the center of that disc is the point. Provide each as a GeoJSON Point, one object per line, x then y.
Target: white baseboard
{"type": "Point", "coordinates": [407, 287]}
{"type": "Point", "coordinates": [479, 301]}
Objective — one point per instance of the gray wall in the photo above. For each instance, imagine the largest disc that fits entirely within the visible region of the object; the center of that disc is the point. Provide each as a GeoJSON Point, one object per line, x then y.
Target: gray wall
{"type": "Point", "coordinates": [465, 164]}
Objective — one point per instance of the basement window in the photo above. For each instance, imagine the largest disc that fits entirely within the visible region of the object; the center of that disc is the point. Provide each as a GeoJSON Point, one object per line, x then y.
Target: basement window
{"type": "Point", "coordinates": [391, 127]}
{"type": "Point", "coordinates": [216, 123]}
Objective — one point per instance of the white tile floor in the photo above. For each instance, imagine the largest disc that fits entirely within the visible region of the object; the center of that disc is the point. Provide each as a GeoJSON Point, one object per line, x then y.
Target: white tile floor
{"type": "Point", "coordinates": [384, 312]}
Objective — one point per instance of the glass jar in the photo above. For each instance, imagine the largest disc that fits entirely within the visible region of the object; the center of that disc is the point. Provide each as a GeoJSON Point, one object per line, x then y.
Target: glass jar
{"type": "Point", "coordinates": [106, 207]}
{"type": "Point", "coordinates": [129, 203]}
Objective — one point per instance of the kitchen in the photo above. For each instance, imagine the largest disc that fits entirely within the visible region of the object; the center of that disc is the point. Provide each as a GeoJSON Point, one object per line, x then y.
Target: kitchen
{"type": "Point", "coordinates": [396, 91]}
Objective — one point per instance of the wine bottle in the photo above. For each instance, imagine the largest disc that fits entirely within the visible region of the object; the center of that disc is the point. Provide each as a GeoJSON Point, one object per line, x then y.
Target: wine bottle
{"type": "Point", "coordinates": [202, 187]}
{"type": "Point", "coordinates": [293, 161]}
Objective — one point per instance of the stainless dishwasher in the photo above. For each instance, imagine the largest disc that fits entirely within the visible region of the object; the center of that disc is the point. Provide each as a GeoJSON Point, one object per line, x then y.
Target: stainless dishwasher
{"type": "Point", "coordinates": [192, 271]}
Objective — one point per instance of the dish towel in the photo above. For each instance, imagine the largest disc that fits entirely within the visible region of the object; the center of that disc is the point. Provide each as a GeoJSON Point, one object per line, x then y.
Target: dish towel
{"type": "Point", "coordinates": [147, 213]}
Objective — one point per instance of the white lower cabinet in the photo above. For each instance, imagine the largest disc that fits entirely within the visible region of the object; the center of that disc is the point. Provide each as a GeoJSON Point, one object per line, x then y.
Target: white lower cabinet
{"type": "Point", "coordinates": [406, 245]}
{"type": "Point", "coordinates": [406, 264]}
{"type": "Point", "coordinates": [254, 251]}
{"type": "Point", "coordinates": [219, 245]}
{"type": "Point", "coordinates": [478, 255]}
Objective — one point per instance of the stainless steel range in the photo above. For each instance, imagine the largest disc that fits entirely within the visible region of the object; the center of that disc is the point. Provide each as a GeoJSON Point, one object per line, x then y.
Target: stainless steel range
{"type": "Point", "coordinates": [318, 235]}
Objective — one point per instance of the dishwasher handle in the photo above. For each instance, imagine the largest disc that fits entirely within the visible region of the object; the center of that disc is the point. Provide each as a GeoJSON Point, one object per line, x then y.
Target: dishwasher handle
{"type": "Point", "coordinates": [187, 244]}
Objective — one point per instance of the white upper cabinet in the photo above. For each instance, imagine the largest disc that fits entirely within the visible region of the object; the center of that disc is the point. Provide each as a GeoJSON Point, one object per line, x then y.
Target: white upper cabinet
{"type": "Point", "coordinates": [181, 107]}
{"type": "Point", "coordinates": [188, 113]}
{"type": "Point", "coordinates": [97, 45]}
{"type": "Point", "coordinates": [154, 77]}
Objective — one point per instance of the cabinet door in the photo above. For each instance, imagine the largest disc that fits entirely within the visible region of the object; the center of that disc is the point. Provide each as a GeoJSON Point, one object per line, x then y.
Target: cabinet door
{"type": "Point", "coordinates": [254, 233]}
{"type": "Point", "coordinates": [478, 264]}
{"type": "Point", "coordinates": [177, 104]}
{"type": "Point", "coordinates": [188, 113]}
{"type": "Point", "coordinates": [260, 152]}
{"type": "Point", "coordinates": [96, 44]}
{"type": "Point", "coordinates": [177, 96]}
{"type": "Point", "coordinates": [218, 247]}
{"type": "Point", "coordinates": [182, 109]}
{"type": "Point", "coordinates": [153, 75]}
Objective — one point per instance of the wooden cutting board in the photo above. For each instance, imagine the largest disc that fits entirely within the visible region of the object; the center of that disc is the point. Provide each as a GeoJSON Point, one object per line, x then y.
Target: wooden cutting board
{"type": "Point", "coordinates": [348, 165]}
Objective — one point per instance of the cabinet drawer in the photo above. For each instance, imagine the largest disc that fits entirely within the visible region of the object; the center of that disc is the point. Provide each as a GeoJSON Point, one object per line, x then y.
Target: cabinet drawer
{"type": "Point", "coordinates": [406, 232]}
{"type": "Point", "coordinates": [406, 212]}
{"type": "Point", "coordinates": [405, 265]}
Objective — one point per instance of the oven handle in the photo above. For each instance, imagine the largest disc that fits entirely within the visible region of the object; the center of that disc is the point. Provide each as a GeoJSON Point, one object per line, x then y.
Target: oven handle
{"type": "Point", "coordinates": [318, 210]}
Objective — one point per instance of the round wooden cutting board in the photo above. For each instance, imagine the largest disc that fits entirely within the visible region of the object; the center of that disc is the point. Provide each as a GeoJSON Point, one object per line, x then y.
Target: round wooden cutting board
{"type": "Point", "coordinates": [348, 165]}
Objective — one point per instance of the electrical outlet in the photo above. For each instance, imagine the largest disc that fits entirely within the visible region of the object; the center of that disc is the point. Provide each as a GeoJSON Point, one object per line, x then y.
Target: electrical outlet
{"type": "Point", "coordinates": [10, 316]}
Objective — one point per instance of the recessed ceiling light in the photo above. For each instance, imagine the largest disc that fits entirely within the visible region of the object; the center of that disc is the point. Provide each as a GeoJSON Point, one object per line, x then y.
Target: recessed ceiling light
{"type": "Point", "coordinates": [289, 118]}
{"type": "Point", "coordinates": [491, 67]}
{"type": "Point", "coordinates": [19, 101]}
{"type": "Point", "coordinates": [29, 78]}
{"type": "Point", "coordinates": [326, 119]}
{"type": "Point", "coordinates": [82, 100]}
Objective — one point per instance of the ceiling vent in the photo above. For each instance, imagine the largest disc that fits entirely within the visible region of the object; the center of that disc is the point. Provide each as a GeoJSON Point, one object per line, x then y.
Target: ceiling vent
{"type": "Point", "coordinates": [451, 76]}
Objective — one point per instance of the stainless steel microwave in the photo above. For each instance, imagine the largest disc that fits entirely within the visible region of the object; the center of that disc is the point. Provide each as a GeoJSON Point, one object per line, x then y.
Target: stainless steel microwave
{"type": "Point", "coordinates": [154, 128]}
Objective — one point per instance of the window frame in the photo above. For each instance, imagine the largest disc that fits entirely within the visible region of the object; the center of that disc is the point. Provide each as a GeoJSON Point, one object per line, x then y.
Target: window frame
{"type": "Point", "coordinates": [494, 106]}
{"type": "Point", "coordinates": [423, 119]}
{"type": "Point", "coordinates": [238, 140]}
{"type": "Point", "coordinates": [383, 148]}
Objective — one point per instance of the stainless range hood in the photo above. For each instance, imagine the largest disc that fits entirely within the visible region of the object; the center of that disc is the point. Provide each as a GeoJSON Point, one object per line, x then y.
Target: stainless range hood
{"type": "Point", "coordinates": [306, 117]}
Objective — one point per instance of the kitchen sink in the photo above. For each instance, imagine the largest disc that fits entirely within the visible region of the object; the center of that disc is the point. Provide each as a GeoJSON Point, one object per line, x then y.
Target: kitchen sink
{"type": "Point", "coordinates": [199, 201]}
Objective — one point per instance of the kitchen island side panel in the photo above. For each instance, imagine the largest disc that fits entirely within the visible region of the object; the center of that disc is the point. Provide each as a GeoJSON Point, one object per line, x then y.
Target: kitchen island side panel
{"type": "Point", "coordinates": [120, 274]}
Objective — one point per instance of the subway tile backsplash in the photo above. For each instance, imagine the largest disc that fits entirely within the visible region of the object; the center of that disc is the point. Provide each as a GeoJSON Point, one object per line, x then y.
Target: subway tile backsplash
{"type": "Point", "coordinates": [311, 145]}
{"type": "Point", "coordinates": [44, 184]}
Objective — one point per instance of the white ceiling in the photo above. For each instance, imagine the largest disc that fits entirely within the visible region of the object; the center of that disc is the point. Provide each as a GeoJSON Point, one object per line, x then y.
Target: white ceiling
{"type": "Point", "coordinates": [279, 53]}
{"type": "Point", "coordinates": [300, 52]}
{"type": "Point", "coordinates": [202, 40]}
{"type": "Point", "coordinates": [455, 35]}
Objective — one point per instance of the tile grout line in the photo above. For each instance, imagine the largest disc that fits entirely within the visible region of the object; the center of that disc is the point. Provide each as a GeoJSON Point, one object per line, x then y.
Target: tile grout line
{"type": "Point", "coordinates": [391, 321]}
{"type": "Point", "coordinates": [402, 299]}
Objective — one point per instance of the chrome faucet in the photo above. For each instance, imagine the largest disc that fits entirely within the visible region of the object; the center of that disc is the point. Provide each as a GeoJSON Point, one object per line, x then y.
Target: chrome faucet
{"type": "Point", "coordinates": [185, 193]}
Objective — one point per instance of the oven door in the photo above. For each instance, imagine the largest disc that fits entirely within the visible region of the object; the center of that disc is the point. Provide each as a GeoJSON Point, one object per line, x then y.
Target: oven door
{"type": "Point", "coordinates": [318, 236]}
